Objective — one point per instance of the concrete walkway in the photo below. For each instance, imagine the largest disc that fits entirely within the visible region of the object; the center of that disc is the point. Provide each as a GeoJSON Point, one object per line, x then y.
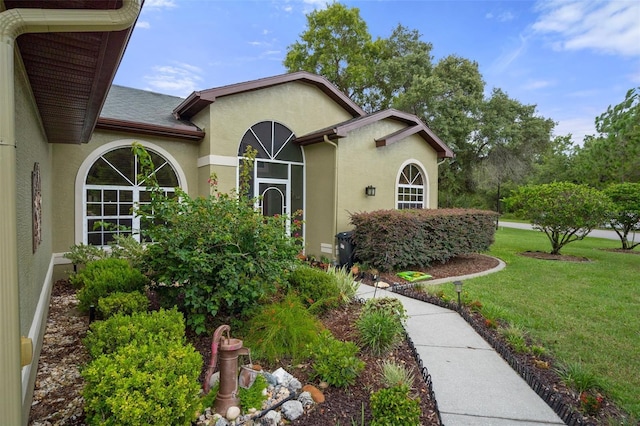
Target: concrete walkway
{"type": "Point", "coordinates": [472, 383]}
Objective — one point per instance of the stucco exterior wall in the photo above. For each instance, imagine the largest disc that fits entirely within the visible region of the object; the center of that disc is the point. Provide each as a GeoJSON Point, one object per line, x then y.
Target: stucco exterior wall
{"type": "Point", "coordinates": [361, 164]}
{"type": "Point", "coordinates": [68, 159]}
{"type": "Point", "coordinates": [33, 267]}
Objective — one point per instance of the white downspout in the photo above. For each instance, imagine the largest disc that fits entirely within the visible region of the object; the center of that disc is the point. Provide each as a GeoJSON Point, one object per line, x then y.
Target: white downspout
{"type": "Point", "coordinates": [14, 22]}
{"type": "Point", "coordinates": [335, 188]}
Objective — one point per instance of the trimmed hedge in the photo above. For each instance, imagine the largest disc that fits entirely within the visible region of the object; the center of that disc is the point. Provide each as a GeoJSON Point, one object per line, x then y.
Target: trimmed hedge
{"type": "Point", "coordinates": [393, 240]}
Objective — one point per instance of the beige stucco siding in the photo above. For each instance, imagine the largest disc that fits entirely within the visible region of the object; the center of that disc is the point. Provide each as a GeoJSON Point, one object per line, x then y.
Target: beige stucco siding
{"type": "Point", "coordinates": [33, 268]}
{"type": "Point", "coordinates": [68, 159]}
{"type": "Point", "coordinates": [361, 163]}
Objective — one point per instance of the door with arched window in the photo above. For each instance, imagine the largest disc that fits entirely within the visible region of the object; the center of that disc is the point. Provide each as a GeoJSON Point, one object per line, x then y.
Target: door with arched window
{"type": "Point", "coordinates": [114, 189]}
{"type": "Point", "coordinates": [277, 179]}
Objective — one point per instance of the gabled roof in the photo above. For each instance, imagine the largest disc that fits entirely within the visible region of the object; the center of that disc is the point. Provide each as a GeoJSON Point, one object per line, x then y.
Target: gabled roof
{"type": "Point", "coordinates": [145, 112]}
{"type": "Point", "coordinates": [197, 101]}
{"type": "Point", "coordinates": [70, 73]}
{"type": "Point", "coordinates": [414, 126]}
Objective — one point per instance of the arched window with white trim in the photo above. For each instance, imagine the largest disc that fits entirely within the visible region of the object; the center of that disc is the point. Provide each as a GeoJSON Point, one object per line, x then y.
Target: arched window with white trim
{"type": "Point", "coordinates": [411, 190]}
{"type": "Point", "coordinates": [113, 189]}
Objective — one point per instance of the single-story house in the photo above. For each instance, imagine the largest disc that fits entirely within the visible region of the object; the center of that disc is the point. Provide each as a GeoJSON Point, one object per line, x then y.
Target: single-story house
{"type": "Point", "coordinates": [66, 160]}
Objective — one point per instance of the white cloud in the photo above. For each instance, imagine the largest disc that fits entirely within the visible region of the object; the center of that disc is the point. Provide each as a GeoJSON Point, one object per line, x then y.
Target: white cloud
{"type": "Point", "coordinates": [579, 127]}
{"type": "Point", "coordinates": [179, 79]}
{"type": "Point", "coordinates": [143, 25]}
{"type": "Point", "coordinates": [611, 27]}
{"type": "Point", "coordinates": [537, 84]}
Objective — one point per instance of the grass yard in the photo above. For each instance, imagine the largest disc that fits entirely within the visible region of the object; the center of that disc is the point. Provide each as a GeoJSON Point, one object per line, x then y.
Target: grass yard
{"type": "Point", "coordinates": [582, 312]}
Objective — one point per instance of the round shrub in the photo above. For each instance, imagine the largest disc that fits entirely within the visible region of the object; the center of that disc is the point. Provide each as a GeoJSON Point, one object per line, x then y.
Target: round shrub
{"type": "Point", "coordinates": [379, 331]}
{"type": "Point", "coordinates": [106, 276]}
{"type": "Point", "coordinates": [122, 303]}
{"type": "Point", "coordinates": [317, 289]}
{"type": "Point", "coordinates": [335, 361]}
{"type": "Point", "coordinates": [141, 328]}
{"type": "Point", "coordinates": [393, 406]}
{"type": "Point", "coordinates": [153, 384]}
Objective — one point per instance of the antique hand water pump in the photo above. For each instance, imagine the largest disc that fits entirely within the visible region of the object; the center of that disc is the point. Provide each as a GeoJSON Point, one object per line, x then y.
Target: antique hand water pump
{"type": "Point", "coordinates": [229, 349]}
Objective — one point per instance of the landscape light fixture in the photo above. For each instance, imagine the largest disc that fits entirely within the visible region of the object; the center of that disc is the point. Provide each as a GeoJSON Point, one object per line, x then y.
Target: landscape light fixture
{"type": "Point", "coordinates": [458, 285]}
{"type": "Point", "coordinates": [370, 191]}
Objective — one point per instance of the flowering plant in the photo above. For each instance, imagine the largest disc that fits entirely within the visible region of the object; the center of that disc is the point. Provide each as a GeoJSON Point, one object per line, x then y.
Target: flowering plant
{"type": "Point", "coordinates": [590, 403]}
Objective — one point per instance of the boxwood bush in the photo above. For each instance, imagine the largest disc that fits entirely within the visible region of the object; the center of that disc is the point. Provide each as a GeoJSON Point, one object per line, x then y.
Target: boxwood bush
{"type": "Point", "coordinates": [103, 277]}
{"type": "Point", "coordinates": [122, 303]}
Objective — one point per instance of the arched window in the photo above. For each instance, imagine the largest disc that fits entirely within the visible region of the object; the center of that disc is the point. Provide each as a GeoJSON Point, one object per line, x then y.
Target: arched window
{"type": "Point", "coordinates": [113, 189]}
{"type": "Point", "coordinates": [278, 173]}
{"type": "Point", "coordinates": [411, 187]}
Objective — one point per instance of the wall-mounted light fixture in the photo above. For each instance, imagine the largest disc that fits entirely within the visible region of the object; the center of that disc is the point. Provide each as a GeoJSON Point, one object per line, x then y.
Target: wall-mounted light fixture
{"type": "Point", "coordinates": [370, 191]}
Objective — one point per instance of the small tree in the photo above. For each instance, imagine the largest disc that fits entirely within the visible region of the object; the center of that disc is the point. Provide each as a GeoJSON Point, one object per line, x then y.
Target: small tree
{"type": "Point", "coordinates": [564, 211]}
{"type": "Point", "coordinates": [625, 216]}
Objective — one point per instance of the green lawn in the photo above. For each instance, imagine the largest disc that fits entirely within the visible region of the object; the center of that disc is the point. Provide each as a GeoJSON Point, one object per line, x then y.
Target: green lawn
{"type": "Point", "coordinates": [581, 312]}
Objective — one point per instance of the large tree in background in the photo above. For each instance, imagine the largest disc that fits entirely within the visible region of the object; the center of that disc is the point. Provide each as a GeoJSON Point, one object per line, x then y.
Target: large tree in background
{"type": "Point", "coordinates": [338, 46]}
{"type": "Point", "coordinates": [613, 156]}
{"type": "Point", "coordinates": [448, 96]}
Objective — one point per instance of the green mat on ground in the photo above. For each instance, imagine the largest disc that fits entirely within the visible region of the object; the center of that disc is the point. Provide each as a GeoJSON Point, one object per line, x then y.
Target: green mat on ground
{"type": "Point", "coordinates": [413, 276]}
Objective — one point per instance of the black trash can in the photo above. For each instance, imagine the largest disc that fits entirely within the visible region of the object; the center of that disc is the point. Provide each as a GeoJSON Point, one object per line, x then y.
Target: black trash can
{"type": "Point", "coordinates": [346, 248]}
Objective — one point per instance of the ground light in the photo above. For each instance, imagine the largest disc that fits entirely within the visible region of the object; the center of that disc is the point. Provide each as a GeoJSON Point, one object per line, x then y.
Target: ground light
{"type": "Point", "coordinates": [458, 285]}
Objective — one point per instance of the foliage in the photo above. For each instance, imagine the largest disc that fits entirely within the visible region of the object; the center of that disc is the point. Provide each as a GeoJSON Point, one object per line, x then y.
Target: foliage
{"type": "Point", "coordinates": [387, 305]}
{"type": "Point", "coordinates": [282, 330]}
{"type": "Point", "coordinates": [317, 289]}
{"type": "Point", "coordinates": [402, 239]}
{"type": "Point", "coordinates": [219, 254]}
{"type": "Point", "coordinates": [127, 247]}
{"type": "Point", "coordinates": [143, 384]}
{"type": "Point", "coordinates": [395, 374]}
{"type": "Point", "coordinates": [515, 336]}
{"type": "Point", "coordinates": [393, 406]}
{"type": "Point", "coordinates": [82, 254]}
{"type": "Point", "coordinates": [103, 277]}
{"type": "Point", "coordinates": [141, 328]}
{"type": "Point", "coordinates": [334, 361]}
{"type": "Point", "coordinates": [347, 284]}
{"type": "Point", "coordinates": [253, 397]}
{"type": "Point", "coordinates": [625, 215]}
{"type": "Point", "coordinates": [613, 156]}
{"type": "Point", "coordinates": [379, 332]}
{"type": "Point", "coordinates": [577, 376]}
{"type": "Point", "coordinates": [337, 45]}
{"type": "Point", "coordinates": [122, 303]}
{"type": "Point", "coordinates": [564, 211]}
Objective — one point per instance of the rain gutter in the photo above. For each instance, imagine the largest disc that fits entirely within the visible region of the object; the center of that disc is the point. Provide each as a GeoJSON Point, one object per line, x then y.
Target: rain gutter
{"type": "Point", "coordinates": [13, 23]}
{"type": "Point", "coordinates": [335, 186]}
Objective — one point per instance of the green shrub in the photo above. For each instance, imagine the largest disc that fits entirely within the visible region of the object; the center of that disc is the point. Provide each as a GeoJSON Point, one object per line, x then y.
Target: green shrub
{"type": "Point", "coordinates": [393, 406]}
{"type": "Point", "coordinates": [106, 276]}
{"type": "Point", "coordinates": [122, 303]}
{"type": "Point", "coordinates": [387, 305]}
{"type": "Point", "coordinates": [394, 374]}
{"type": "Point", "coordinates": [317, 289]}
{"type": "Point", "coordinates": [143, 384]}
{"type": "Point", "coordinates": [379, 331]}
{"type": "Point", "coordinates": [347, 285]}
{"type": "Point", "coordinates": [141, 328]}
{"type": "Point", "coordinates": [577, 376]}
{"type": "Point", "coordinates": [219, 253]}
{"type": "Point", "coordinates": [253, 396]}
{"type": "Point", "coordinates": [334, 361]}
{"type": "Point", "coordinates": [515, 336]}
{"type": "Point", "coordinates": [282, 330]}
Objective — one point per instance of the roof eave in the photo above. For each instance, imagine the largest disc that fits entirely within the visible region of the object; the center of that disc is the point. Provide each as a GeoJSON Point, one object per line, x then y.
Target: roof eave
{"type": "Point", "coordinates": [150, 129]}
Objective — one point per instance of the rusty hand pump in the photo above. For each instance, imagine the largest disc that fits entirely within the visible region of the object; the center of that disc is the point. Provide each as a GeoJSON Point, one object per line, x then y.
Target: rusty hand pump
{"type": "Point", "coordinates": [230, 349]}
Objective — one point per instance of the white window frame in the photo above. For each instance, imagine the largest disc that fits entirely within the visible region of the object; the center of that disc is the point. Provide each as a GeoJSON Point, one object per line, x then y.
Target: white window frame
{"type": "Point", "coordinates": [402, 187]}
{"type": "Point", "coordinates": [81, 231]}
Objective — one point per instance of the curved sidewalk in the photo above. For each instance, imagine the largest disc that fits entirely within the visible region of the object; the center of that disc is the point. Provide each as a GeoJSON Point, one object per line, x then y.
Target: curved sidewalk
{"type": "Point", "coordinates": [472, 383]}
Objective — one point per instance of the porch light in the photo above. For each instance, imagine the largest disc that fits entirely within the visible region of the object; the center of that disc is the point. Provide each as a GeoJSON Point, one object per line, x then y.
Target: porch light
{"type": "Point", "coordinates": [458, 285]}
{"type": "Point", "coordinates": [370, 191]}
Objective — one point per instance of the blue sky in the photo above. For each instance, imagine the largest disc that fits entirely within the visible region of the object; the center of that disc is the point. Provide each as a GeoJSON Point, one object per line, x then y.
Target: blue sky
{"type": "Point", "coordinates": [570, 58]}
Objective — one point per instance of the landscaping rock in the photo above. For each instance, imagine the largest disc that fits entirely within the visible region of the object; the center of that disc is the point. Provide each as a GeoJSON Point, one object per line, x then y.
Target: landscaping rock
{"type": "Point", "coordinates": [282, 376]}
{"type": "Point", "coordinates": [294, 385]}
{"type": "Point", "coordinates": [272, 418]}
{"type": "Point", "coordinates": [316, 394]}
{"type": "Point", "coordinates": [232, 413]}
{"type": "Point", "coordinates": [306, 400]}
{"type": "Point", "coordinates": [291, 410]}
